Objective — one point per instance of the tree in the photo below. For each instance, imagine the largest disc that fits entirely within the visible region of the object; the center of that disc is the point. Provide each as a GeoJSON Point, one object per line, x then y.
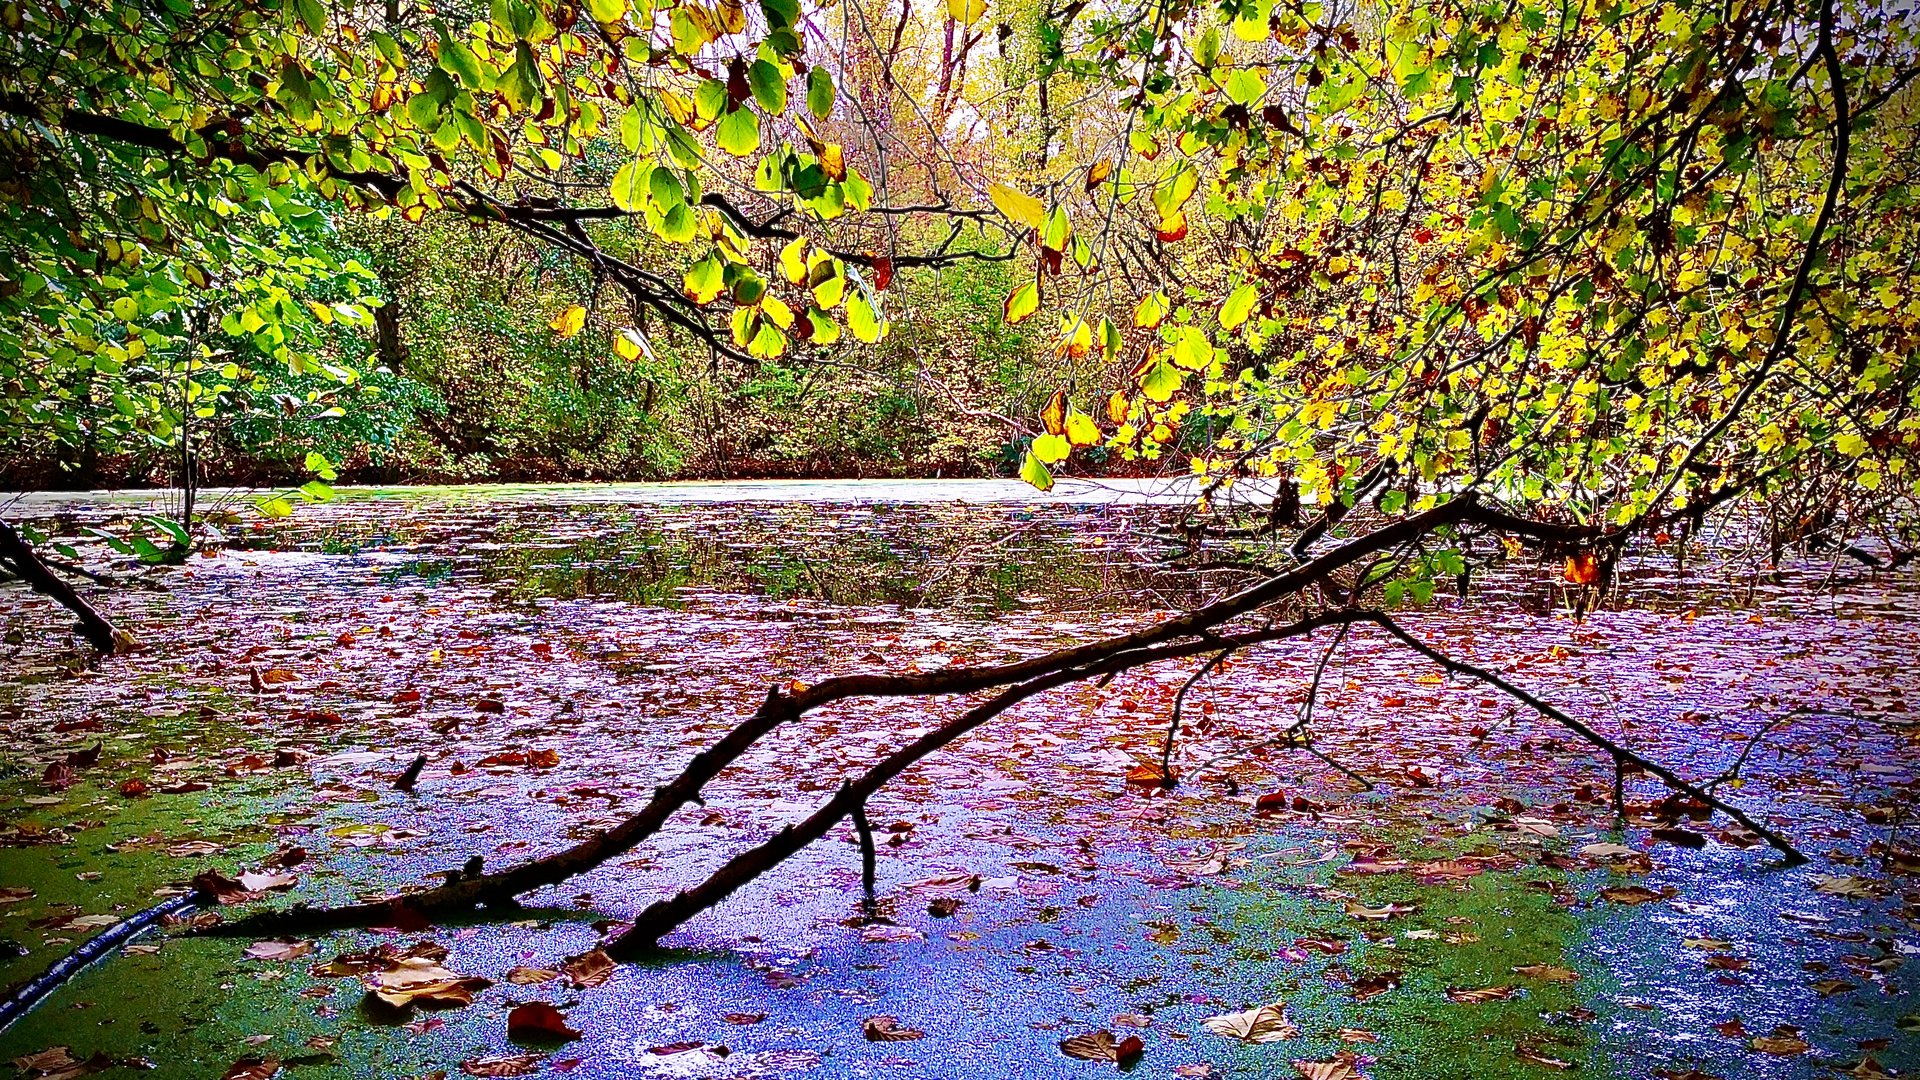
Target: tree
{"type": "Point", "coordinates": [1465, 279]}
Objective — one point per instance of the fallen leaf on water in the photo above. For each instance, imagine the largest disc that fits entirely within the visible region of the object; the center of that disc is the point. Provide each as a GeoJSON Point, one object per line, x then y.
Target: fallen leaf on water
{"type": "Point", "coordinates": [252, 1068]}
{"type": "Point", "coordinates": [1267, 1023]}
{"type": "Point", "coordinates": [1848, 885]}
{"type": "Point", "coordinates": [589, 969]}
{"type": "Point", "coordinates": [539, 1021]}
{"type": "Point", "coordinates": [1378, 914]}
{"type": "Point", "coordinates": [1477, 995]}
{"type": "Point", "coordinates": [1686, 1074]}
{"type": "Point", "coordinates": [1337, 1069]}
{"type": "Point", "coordinates": [1536, 1057]}
{"type": "Point", "coordinates": [1356, 1035]}
{"type": "Point", "coordinates": [1785, 1041]}
{"type": "Point", "coordinates": [509, 1065]}
{"type": "Point", "coordinates": [278, 950]}
{"type": "Point", "coordinates": [1631, 894]}
{"type": "Point", "coordinates": [1606, 851]}
{"type": "Point", "coordinates": [58, 1063]}
{"type": "Point", "coordinates": [744, 1018]}
{"type": "Point", "coordinates": [1372, 986]}
{"type": "Point", "coordinates": [420, 981]}
{"type": "Point", "coordinates": [1547, 973]}
{"type": "Point", "coordinates": [277, 676]}
{"type": "Point", "coordinates": [889, 1029]}
{"type": "Point", "coordinates": [531, 976]}
{"type": "Point", "coordinates": [254, 882]}
{"type": "Point", "coordinates": [1102, 1046]}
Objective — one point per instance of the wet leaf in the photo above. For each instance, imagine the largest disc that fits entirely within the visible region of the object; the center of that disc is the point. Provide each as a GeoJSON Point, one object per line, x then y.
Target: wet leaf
{"type": "Point", "coordinates": [537, 1021]}
{"type": "Point", "coordinates": [252, 1068]}
{"type": "Point", "coordinates": [1850, 886]}
{"type": "Point", "coordinates": [507, 1065]}
{"type": "Point", "coordinates": [1631, 894]}
{"type": "Point", "coordinates": [1785, 1041]}
{"type": "Point", "coordinates": [531, 976]}
{"type": "Point", "coordinates": [589, 969]}
{"type": "Point", "coordinates": [1547, 973]}
{"type": "Point", "coordinates": [889, 1029]}
{"type": "Point", "coordinates": [278, 950]}
{"type": "Point", "coordinates": [1103, 1046]}
{"type": "Point", "coordinates": [1267, 1023]}
{"type": "Point", "coordinates": [1479, 995]}
{"type": "Point", "coordinates": [423, 982]}
{"type": "Point", "coordinates": [1336, 1069]}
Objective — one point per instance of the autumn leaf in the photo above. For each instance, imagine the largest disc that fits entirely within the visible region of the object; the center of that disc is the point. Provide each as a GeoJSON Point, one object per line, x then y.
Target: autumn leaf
{"type": "Point", "coordinates": [423, 982]}
{"type": "Point", "coordinates": [1340, 1068]}
{"type": "Point", "coordinates": [1103, 1046]}
{"type": "Point", "coordinates": [1784, 1041]}
{"type": "Point", "coordinates": [570, 320]}
{"type": "Point", "coordinates": [278, 950]}
{"type": "Point", "coordinates": [1054, 414]}
{"type": "Point", "coordinates": [589, 969]}
{"type": "Point", "coordinates": [1583, 568]}
{"type": "Point", "coordinates": [889, 1029]}
{"type": "Point", "coordinates": [253, 1068]}
{"type": "Point", "coordinates": [507, 1065]}
{"type": "Point", "coordinates": [1018, 206]}
{"type": "Point", "coordinates": [1479, 995]}
{"type": "Point", "coordinates": [537, 1021]}
{"type": "Point", "coordinates": [1267, 1023]}
{"type": "Point", "coordinates": [1547, 973]}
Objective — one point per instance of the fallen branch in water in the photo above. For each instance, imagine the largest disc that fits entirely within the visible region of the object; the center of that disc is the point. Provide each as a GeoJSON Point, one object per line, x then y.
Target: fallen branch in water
{"type": "Point", "coordinates": [26, 564]}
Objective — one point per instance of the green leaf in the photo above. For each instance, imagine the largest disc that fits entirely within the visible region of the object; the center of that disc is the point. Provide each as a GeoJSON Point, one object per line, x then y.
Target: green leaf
{"type": "Point", "coordinates": [738, 132]}
{"type": "Point", "coordinates": [1035, 473]}
{"type": "Point", "coordinates": [1245, 87]}
{"type": "Point", "coordinates": [1021, 302]}
{"type": "Point", "coordinates": [862, 319]}
{"type": "Point", "coordinates": [631, 186]}
{"type": "Point", "coordinates": [769, 88]}
{"type": "Point", "coordinates": [1051, 448]}
{"type": "Point", "coordinates": [819, 92]}
{"type": "Point", "coordinates": [1161, 381]}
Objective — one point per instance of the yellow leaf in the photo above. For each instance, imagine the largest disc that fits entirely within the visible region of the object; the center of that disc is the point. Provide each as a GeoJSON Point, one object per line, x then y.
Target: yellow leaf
{"type": "Point", "coordinates": [570, 321]}
{"type": "Point", "coordinates": [1081, 430]}
{"type": "Point", "coordinates": [966, 12]}
{"type": "Point", "coordinates": [1099, 173]}
{"type": "Point", "coordinates": [1019, 207]}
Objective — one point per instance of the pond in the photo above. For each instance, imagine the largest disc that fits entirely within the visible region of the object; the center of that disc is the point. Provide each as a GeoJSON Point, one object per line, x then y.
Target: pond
{"type": "Point", "coordinates": [557, 652]}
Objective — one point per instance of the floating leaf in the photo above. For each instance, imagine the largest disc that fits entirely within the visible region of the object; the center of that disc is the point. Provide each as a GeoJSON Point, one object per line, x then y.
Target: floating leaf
{"type": "Point", "coordinates": [1265, 1024]}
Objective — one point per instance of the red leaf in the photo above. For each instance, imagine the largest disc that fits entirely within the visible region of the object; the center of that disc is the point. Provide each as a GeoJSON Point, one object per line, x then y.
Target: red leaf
{"type": "Point", "coordinates": [539, 1021]}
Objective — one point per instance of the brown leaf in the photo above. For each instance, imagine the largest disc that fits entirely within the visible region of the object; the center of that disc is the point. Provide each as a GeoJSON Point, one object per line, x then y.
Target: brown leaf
{"type": "Point", "coordinates": [1479, 995]}
{"type": "Point", "coordinates": [1339, 1068]}
{"type": "Point", "coordinates": [1547, 973]}
{"type": "Point", "coordinates": [58, 1063]}
{"type": "Point", "coordinates": [1102, 1046]}
{"type": "Point", "coordinates": [539, 1022]}
{"type": "Point", "coordinates": [278, 950]}
{"type": "Point", "coordinates": [1372, 986]}
{"type": "Point", "coordinates": [1785, 1041]}
{"type": "Point", "coordinates": [744, 1019]}
{"type": "Point", "coordinates": [509, 1065]}
{"type": "Point", "coordinates": [889, 1029]}
{"type": "Point", "coordinates": [589, 969]}
{"type": "Point", "coordinates": [531, 976]}
{"type": "Point", "coordinates": [1265, 1024]}
{"type": "Point", "coordinates": [1528, 1054]}
{"type": "Point", "coordinates": [423, 982]}
{"type": "Point", "coordinates": [1631, 894]}
{"type": "Point", "coordinates": [253, 1068]}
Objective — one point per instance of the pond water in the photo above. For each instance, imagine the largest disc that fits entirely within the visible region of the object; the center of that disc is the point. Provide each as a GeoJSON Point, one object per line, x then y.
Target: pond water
{"type": "Point", "coordinates": [558, 652]}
